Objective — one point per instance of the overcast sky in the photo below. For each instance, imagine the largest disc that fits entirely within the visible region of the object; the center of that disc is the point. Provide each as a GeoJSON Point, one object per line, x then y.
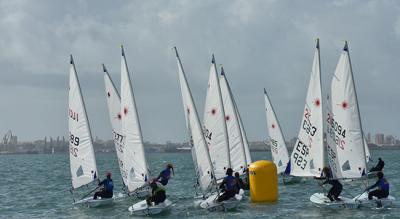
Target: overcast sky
{"type": "Point", "coordinates": [260, 43]}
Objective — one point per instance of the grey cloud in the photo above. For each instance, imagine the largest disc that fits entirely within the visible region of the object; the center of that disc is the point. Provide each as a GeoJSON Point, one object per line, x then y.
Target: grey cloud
{"type": "Point", "coordinates": [260, 43]}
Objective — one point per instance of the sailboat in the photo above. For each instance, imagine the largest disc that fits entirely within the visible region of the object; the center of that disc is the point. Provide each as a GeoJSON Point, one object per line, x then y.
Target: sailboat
{"type": "Point", "coordinates": [215, 127]}
{"type": "Point", "coordinates": [204, 167]}
{"type": "Point", "coordinates": [345, 138]}
{"type": "Point", "coordinates": [114, 110]}
{"type": "Point", "coordinates": [133, 156]}
{"type": "Point", "coordinates": [307, 159]}
{"type": "Point", "coordinates": [237, 146]}
{"type": "Point", "coordinates": [115, 113]}
{"type": "Point", "coordinates": [279, 150]}
{"type": "Point", "coordinates": [81, 153]}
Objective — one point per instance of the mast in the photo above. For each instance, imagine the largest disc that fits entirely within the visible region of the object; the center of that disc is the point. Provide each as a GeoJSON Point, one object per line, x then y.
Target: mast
{"type": "Point", "coordinates": [236, 115]}
{"type": "Point", "coordinates": [346, 49]}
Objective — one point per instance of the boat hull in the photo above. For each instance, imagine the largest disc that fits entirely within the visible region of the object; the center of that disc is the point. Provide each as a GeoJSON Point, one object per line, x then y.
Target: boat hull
{"type": "Point", "coordinates": [142, 209]}
{"type": "Point", "coordinates": [375, 202]}
{"type": "Point", "coordinates": [212, 205]}
{"type": "Point", "coordinates": [320, 200]}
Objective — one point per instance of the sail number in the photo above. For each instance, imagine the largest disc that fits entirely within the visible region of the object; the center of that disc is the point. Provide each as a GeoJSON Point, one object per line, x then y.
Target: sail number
{"type": "Point", "coordinates": [336, 132]}
{"type": "Point", "coordinates": [207, 133]}
{"type": "Point", "coordinates": [73, 143]}
{"type": "Point", "coordinates": [309, 128]}
{"type": "Point", "coordinates": [73, 115]}
{"type": "Point", "coordinates": [332, 158]}
{"type": "Point", "coordinates": [118, 141]}
{"type": "Point", "coordinates": [301, 152]}
{"type": "Point", "coordinates": [274, 146]}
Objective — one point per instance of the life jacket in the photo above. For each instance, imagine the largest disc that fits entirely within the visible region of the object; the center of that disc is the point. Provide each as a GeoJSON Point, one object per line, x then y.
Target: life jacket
{"type": "Point", "coordinates": [230, 183]}
{"type": "Point", "coordinates": [165, 175]}
{"type": "Point", "coordinates": [160, 188]}
{"type": "Point", "coordinates": [383, 184]}
{"type": "Point", "coordinates": [109, 185]}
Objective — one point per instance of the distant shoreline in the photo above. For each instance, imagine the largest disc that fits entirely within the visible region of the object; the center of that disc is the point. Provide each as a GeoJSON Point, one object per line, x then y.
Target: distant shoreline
{"type": "Point", "coordinates": [187, 150]}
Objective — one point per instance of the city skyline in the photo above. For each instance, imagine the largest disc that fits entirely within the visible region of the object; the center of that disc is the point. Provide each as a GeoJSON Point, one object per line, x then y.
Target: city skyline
{"type": "Point", "coordinates": [260, 43]}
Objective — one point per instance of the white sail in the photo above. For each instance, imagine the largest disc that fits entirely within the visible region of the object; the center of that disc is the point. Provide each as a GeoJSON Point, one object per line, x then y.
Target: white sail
{"type": "Point", "coordinates": [114, 110]}
{"type": "Point", "coordinates": [134, 158]}
{"type": "Point", "coordinates": [307, 158]}
{"type": "Point", "coordinates": [345, 141]}
{"type": "Point", "coordinates": [244, 136]}
{"type": "Point", "coordinates": [81, 152]}
{"type": "Point", "coordinates": [367, 153]}
{"type": "Point", "coordinates": [236, 145]}
{"type": "Point", "coordinates": [200, 152]}
{"type": "Point", "coordinates": [214, 126]}
{"type": "Point", "coordinates": [277, 141]}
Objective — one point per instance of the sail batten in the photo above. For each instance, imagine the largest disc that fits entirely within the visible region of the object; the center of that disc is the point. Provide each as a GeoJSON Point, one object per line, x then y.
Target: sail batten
{"type": "Point", "coordinates": [135, 164]}
{"type": "Point", "coordinates": [82, 159]}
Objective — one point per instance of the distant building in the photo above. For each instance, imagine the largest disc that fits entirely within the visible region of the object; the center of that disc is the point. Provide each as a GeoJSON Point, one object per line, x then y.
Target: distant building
{"type": "Point", "coordinates": [369, 138]}
{"type": "Point", "coordinates": [379, 139]}
{"type": "Point", "coordinates": [389, 140]}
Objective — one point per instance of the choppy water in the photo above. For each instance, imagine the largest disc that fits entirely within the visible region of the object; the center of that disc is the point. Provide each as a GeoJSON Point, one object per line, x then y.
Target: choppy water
{"type": "Point", "coordinates": [37, 186]}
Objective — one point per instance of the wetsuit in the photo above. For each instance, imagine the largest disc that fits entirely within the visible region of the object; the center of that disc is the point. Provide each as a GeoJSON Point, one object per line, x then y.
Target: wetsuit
{"type": "Point", "coordinates": [382, 191]}
{"type": "Point", "coordinates": [164, 176]}
{"type": "Point", "coordinates": [107, 191]}
{"type": "Point", "coordinates": [158, 194]}
{"type": "Point", "coordinates": [378, 166]}
{"type": "Point", "coordinates": [229, 186]}
{"type": "Point", "coordinates": [334, 192]}
{"type": "Point", "coordinates": [337, 187]}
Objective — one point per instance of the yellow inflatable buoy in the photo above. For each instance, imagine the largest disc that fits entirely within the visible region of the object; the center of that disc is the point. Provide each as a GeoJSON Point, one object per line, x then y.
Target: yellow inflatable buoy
{"type": "Point", "coordinates": [263, 181]}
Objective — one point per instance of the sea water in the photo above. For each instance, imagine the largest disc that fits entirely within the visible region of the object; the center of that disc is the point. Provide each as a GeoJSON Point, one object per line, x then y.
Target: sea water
{"type": "Point", "coordinates": [37, 186]}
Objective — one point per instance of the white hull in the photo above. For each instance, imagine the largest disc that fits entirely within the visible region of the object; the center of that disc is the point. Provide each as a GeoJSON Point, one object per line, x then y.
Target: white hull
{"type": "Point", "coordinates": [320, 200]}
{"type": "Point", "coordinates": [142, 209]}
{"type": "Point", "coordinates": [90, 202]}
{"type": "Point", "coordinates": [211, 203]}
{"type": "Point", "coordinates": [384, 202]}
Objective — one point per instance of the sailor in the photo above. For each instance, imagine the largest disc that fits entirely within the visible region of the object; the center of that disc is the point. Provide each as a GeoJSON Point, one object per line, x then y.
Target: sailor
{"type": "Point", "coordinates": [337, 187]}
{"type": "Point", "coordinates": [378, 166]}
{"type": "Point", "coordinates": [239, 183]}
{"type": "Point", "coordinates": [383, 188]}
{"type": "Point", "coordinates": [228, 185]}
{"type": "Point", "coordinates": [165, 175]}
{"type": "Point", "coordinates": [158, 194]}
{"type": "Point", "coordinates": [107, 190]}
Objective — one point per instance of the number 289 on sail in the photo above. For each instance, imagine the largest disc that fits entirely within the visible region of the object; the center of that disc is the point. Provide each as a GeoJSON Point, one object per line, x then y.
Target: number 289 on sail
{"type": "Point", "coordinates": [73, 143]}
